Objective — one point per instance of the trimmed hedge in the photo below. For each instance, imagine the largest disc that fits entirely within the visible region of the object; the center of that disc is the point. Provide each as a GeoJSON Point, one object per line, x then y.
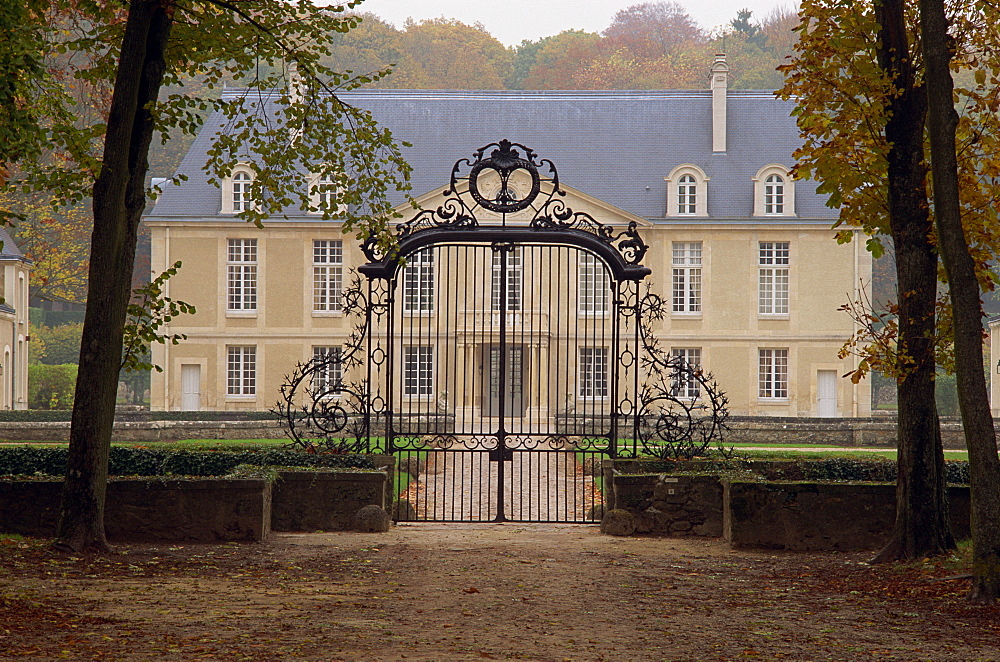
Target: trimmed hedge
{"type": "Point", "coordinates": [843, 469]}
{"type": "Point", "coordinates": [45, 416]}
{"type": "Point", "coordinates": [133, 461]}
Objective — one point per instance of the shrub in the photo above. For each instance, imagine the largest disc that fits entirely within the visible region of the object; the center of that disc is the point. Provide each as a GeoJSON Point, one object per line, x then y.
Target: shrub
{"type": "Point", "coordinates": [51, 386]}
{"type": "Point", "coordinates": [138, 461]}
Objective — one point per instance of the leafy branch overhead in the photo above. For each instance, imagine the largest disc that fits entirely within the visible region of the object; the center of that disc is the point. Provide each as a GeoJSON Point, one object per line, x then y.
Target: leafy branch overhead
{"type": "Point", "coordinates": [148, 311]}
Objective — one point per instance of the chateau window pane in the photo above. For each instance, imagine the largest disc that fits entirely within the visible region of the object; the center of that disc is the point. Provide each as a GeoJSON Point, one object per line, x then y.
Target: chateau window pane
{"type": "Point", "coordinates": [328, 275]}
{"type": "Point", "coordinates": [682, 383]}
{"type": "Point", "coordinates": [594, 289]}
{"type": "Point", "coordinates": [418, 282]}
{"type": "Point", "coordinates": [418, 370]}
{"type": "Point", "coordinates": [687, 195]}
{"type": "Point", "coordinates": [328, 377]}
{"type": "Point", "coordinates": [241, 370]}
{"type": "Point", "coordinates": [686, 277]}
{"type": "Point", "coordinates": [241, 275]}
{"type": "Point", "coordinates": [514, 272]}
{"type": "Point", "coordinates": [773, 373]}
{"type": "Point", "coordinates": [773, 261]}
{"type": "Point", "coordinates": [593, 372]}
{"type": "Point", "coordinates": [774, 195]}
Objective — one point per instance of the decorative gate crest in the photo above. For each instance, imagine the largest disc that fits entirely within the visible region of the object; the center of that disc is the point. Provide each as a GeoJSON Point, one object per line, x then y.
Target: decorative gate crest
{"type": "Point", "coordinates": [506, 336]}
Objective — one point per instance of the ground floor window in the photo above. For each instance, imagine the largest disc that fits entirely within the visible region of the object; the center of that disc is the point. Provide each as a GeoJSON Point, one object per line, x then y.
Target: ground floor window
{"type": "Point", "coordinates": [241, 373]}
{"type": "Point", "coordinates": [328, 376]}
{"type": "Point", "coordinates": [683, 383]}
{"type": "Point", "coordinates": [593, 367]}
{"type": "Point", "coordinates": [772, 373]}
{"type": "Point", "coordinates": [418, 370]}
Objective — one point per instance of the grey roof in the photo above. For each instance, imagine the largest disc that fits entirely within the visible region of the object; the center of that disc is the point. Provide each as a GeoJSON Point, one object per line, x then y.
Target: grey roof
{"type": "Point", "coordinates": [10, 248]}
{"type": "Point", "coordinates": [616, 145]}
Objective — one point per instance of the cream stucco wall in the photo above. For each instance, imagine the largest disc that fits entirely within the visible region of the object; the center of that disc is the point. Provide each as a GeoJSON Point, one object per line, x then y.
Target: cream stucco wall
{"type": "Point", "coordinates": [729, 331]}
{"type": "Point", "coordinates": [14, 333]}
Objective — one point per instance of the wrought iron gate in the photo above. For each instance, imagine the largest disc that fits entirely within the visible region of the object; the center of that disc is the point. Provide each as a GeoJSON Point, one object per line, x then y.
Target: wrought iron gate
{"type": "Point", "coordinates": [503, 352]}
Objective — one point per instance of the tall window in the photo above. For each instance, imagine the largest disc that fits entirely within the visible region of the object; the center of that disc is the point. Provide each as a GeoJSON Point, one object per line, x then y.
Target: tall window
{"type": "Point", "coordinates": [594, 289]}
{"type": "Point", "coordinates": [773, 278]}
{"type": "Point", "coordinates": [241, 275]}
{"type": "Point", "coordinates": [687, 277]}
{"type": "Point", "coordinates": [774, 194]}
{"type": "Point", "coordinates": [241, 191]}
{"type": "Point", "coordinates": [683, 384]}
{"type": "Point", "coordinates": [418, 370]}
{"type": "Point", "coordinates": [328, 377]}
{"type": "Point", "coordinates": [328, 275]}
{"type": "Point", "coordinates": [593, 372]}
{"type": "Point", "coordinates": [241, 370]}
{"type": "Point", "coordinates": [772, 373]}
{"type": "Point", "coordinates": [513, 277]}
{"type": "Point", "coordinates": [418, 282]}
{"type": "Point", "coordinates": [687, 195]}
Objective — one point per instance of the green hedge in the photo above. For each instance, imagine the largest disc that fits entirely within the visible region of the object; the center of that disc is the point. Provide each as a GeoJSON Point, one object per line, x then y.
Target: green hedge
{"type": "Point", "coordinates": [134, 461]}
{"type": "Point", "coordinates": [844, 469]}
{"type": "Point", "coordinates": [45, 416]}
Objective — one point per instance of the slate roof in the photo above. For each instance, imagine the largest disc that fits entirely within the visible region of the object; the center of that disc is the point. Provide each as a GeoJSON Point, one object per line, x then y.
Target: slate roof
{"type": "Point", "coordinates": [614, 145]}
{"type": "Point", "coordinates": [10, 248]}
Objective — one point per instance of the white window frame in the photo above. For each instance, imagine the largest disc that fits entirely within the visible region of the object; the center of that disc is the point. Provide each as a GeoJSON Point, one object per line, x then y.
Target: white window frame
{"type": "Point", "coordinates": [241, 371]}
{"type": "Point", "coordinates": [328, 276]}
{"type": "Point", "coordinates": [326, 382]}
{"type": "Point", "coordinates": [418, 371]}
{"type": "Point", "coordinates": [241, 276]}
{"type": "Point", "coordinates": [594, 378]}
{"type": "Point", "coordinates": [682, 182]}
{"type": "Point", "coordinates": [765, 180]}
{"type": "Point", "coordinates": [418, 283]}
{"type": "Point", "coordinates": [681, 387]}
{"type": "Point", "coordinates": [772, 374]}
{"type": "Point", "coordinates": [593, 293]}
{"type": "Point", "coordinates": [515, 281]}
{"type": "Point", "coordinates": [773, 262]}
{"type": "Point", "coordinates": [686, 277]}
{"type": "Point", "coordinates": [236, 189]}
{"type": "Point", "coordinates": [321, 186]}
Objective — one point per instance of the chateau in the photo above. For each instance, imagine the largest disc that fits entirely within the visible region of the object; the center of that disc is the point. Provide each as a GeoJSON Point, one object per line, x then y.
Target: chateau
{"type": "Point", "coordinates": [15, 270]}
{"type": "Point", "coordinates": [743, 256]}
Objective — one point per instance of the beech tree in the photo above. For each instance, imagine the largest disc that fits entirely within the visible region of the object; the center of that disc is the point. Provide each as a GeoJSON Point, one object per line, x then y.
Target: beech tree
{"type": "Point", "coordinates": [965, 292]}
{"type": "Point", "coordinates": [861, 110]}
{"type": "Point", "coordinates": [291, 119]}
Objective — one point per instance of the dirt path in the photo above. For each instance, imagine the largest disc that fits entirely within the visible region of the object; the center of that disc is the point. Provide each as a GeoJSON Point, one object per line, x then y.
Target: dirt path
{"type": "Point", "coordinates": [438, 592]}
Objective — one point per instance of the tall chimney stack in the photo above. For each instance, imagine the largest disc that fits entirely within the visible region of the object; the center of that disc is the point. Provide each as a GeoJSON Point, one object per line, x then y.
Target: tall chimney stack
{"type": "Point", "coordinates": [719, 83]}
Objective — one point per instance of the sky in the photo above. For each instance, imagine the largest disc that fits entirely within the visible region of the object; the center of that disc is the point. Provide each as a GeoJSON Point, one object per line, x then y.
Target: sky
{"type": "Point", "coordinates": [512, 21]}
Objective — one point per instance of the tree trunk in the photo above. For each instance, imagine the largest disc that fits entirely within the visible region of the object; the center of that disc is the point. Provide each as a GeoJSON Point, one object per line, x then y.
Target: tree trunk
{"type": "Point", "coordinates": [118, 202]}
{"type": "Point", "coordinates": [966, 305]}
{"type": "Point", "coordinates": [922, 527]}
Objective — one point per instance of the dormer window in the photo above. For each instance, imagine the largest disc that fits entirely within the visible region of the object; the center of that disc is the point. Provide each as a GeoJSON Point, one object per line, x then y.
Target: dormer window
{"type": "Point", "coordinates": [687, 191]}
{"type": "Point", "coordinates": [774, 192]}
{"type": "Point", "coordinates": [324, 192]}
{"type": "Point", "coordinates": [241, 191]}
{"type": "Point", "coordinates": [236, 189]}
{"type": "Point", "coordinates": [687, 195]}
{"type": "Point", "coordinates": [774, 195]}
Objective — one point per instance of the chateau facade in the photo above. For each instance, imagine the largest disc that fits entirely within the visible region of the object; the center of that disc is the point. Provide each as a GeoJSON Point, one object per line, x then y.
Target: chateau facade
{"type": "Point", "coordinates": [743, 255]}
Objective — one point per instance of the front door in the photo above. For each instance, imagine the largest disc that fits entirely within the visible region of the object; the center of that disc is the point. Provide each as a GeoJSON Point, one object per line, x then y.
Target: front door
{"type": "Point", "coordinates": [826, 393]}
{"type": "Point", "coordinates": [190, 387]}
{"type": "Point", "coordinates": [512, 391]}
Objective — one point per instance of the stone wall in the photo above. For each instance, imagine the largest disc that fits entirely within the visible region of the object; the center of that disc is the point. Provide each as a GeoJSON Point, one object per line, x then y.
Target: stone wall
{"type": "Point", "coordinates": [201, 510]}
{"type": "Point", "coordinates": [671, 505]}
{"type": "Point", "coordinates": [132, 427]}
{"type": "Point", "coordinates": [324, 500]}
{"type": "Point", "coordinates": [820, 516]}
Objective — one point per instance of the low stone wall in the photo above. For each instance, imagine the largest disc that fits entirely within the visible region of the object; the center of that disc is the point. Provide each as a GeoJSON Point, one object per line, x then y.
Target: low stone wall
{"type": "Point", "coordinates": [671, 505]}
{"type": "Point", "coordinates": [324, 500]}
{"type": "Point", "coordinates": [820, 516]}
{"type": "Point", "coordinates": [200, 510]}
{"type": "Point", "coordinates": [874, 431]}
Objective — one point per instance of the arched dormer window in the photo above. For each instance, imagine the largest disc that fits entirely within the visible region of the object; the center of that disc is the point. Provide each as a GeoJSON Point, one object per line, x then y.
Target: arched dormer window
{"type": "Point", "coordinates": [774, 192]}
{"type": "Point", "coordinates": [687, 191]}
{"type": "Point", "coordinates": [236, 196]}
{"type": "Point", "coordinates": [323, 194]}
